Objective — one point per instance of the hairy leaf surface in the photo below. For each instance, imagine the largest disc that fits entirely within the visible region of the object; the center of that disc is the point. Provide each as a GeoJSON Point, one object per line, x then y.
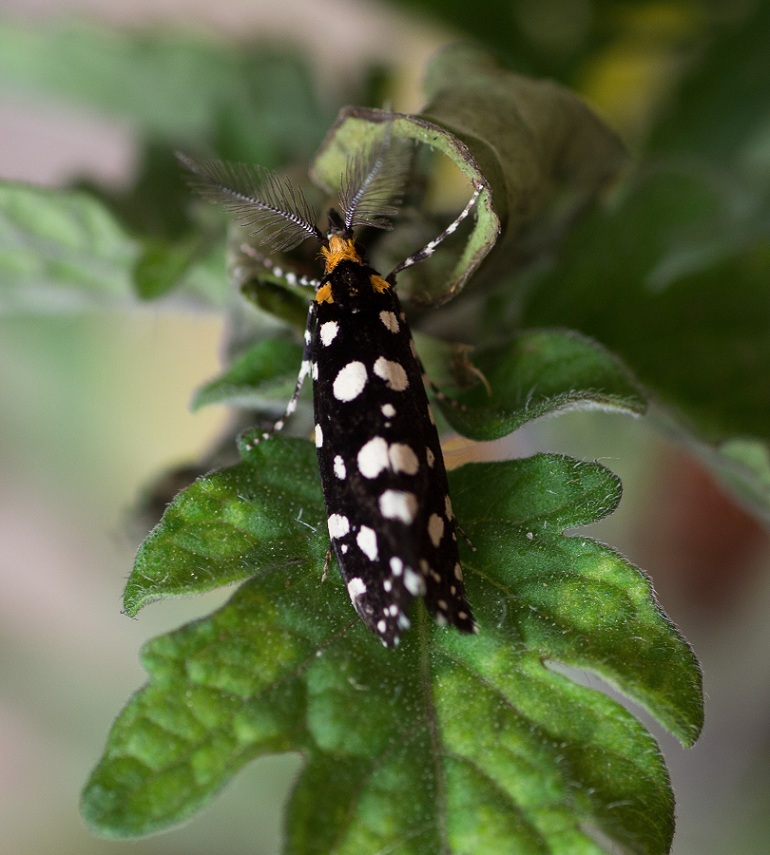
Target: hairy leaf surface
{"type": "Point", "coordinates": [456, 743]}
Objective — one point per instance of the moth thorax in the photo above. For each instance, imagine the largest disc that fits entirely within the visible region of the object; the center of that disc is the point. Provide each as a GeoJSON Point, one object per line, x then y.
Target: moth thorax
{"type": "Point", "coordinates": [352, 286]}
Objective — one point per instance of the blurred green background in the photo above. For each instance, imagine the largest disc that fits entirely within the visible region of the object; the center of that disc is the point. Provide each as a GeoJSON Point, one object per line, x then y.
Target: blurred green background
{"type": "Point", "coordinates": [94, 405]}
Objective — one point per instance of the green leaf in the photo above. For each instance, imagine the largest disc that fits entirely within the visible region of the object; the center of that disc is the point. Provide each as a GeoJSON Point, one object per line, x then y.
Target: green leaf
{"type": "Point", "coordinates": [449, 744]}
{"type": "Point", "coordinates": [538, 373]}
{"type": "Point", "coordinates": [673, 279]}
{"type": "Point", "coordinates": [163, 265]}
{"type": "Point", "coordinates": [278, 299]}
{"type": "Point", "coordinates": [269, 292]}
{"type": "Point", "coordinates": [229, 525]}
{"type": "Point", "coordinates": [61, 251]}
{"type": "Point", "coordinates": [675, 284]}
{"type": "Point", "coordinates": [261, 377]}
{"type": "Point", "coordinates": [64, 250]}
{"type": "Point", "coordinates": [527, 136]}
{"type": "Point", "coordinates": [519, 139]}
{"type": "Point", "coordinates": [157, 201]}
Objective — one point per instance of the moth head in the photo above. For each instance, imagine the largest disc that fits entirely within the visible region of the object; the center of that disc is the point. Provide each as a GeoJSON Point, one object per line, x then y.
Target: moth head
{"type": "Point", "coordinates": [337, 227]}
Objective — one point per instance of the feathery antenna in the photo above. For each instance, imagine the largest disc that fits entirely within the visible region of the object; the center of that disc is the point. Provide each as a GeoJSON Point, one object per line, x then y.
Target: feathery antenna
{"type": "Point", "coordinates": [271, 205]}
{"type": "Point", "coordinates": [373, 182]}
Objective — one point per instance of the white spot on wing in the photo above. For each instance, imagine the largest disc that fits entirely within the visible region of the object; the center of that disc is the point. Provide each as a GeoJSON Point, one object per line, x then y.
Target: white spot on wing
{"type": "Point", "coordinates": [328, 332]}
{"type": "Point", "coordinates": [319, 437]}
{"type": "Point", "coordinates": [390, 321]}
{"type": "Point", "coordinates": [350, 381]}
{"type": "Point", "coordinates": [356, 587]}
{"type": "Point", "coordinates": [435, 529]}
{"type": "Point", "coordinates": [339, 525]}
{"type": "Point", "coordinates": [403, 459]}
{"type": "Point", "coordinates": [388, 410]}
{"type": "Point", "coordinates": [367, 542]}
{"type": "Point", "coordinates": [376, 455]}
{"type": "Point", "coordinates": [373, 457]}
{"type": "Point", "coordinates": [398, 505]}
{"type": "Point", "coordinates": [413, 582]}
{"type": "Point", "coordinates": [392, 373]}
{"type": "Point", "coordinates": [339, 468]}
{"type": "Point", "coordinates": [431, 457]}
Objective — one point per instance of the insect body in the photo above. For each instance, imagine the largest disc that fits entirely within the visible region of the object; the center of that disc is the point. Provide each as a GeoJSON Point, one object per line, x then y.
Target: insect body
{"type": "Point", "coordinates": [384, 482]}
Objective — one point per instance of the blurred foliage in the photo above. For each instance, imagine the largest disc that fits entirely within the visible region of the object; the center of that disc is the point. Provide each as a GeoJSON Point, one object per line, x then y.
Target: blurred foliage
{"type": "Point", "coordinates": [655, 291]}
{"type": "Point", "coordinates": [248, 103]}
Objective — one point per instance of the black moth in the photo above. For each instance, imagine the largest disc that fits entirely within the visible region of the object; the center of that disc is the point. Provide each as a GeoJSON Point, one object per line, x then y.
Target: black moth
{"type": "Point", "coordinates": [384, 482]}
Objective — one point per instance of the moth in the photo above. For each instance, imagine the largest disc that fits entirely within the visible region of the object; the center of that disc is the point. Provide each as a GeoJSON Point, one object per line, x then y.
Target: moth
{"type": "Point", "coordinates": [384, 481]}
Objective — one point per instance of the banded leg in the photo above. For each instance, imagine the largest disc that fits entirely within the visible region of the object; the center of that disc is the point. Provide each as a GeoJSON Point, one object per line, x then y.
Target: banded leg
{"type": "Point", "coordinates": [430, 248]}
{"type": "Point", "coordinates": [305, 369]}
{"type": "Point", "coordinates": [288, 276]}
{"type": "Point", "coordinates": [440, 395]}
{"type": "Point", "coordinates": [461, 365]}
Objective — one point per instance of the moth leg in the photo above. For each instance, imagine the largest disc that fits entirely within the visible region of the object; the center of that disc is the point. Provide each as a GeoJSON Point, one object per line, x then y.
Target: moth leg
{"type": "Point", "coordinates": [305, 369]}
{"type": "Point", "coordinates": [441, 396]}
{"type": "Point", "coordinates": [465, 537]}
{"type": "Point", "coordinates": [430, 248]}
{"type": "Point", "coordinates": [287, 276]}
{"type": "Point", "coordinates": [327, 562]}
{"type": "Point", "coordinates": [462, 364]}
